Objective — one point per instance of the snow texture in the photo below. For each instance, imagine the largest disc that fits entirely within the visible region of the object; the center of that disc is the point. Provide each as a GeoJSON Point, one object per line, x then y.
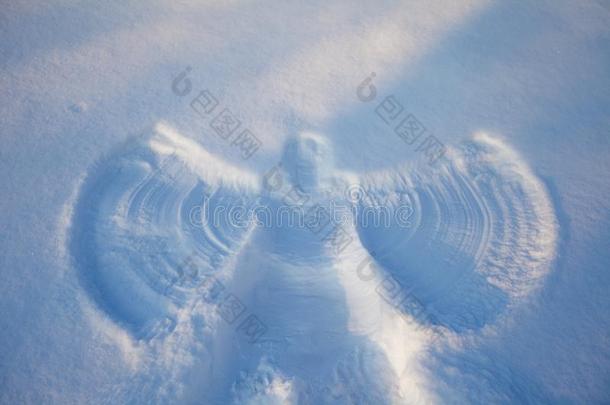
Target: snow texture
{"type": "Point", "coordinates": [308, 203]}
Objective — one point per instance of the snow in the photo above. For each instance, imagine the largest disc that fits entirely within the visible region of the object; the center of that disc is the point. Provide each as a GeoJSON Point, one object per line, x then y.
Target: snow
{"type": "Point", "coordinates": [160, 163]}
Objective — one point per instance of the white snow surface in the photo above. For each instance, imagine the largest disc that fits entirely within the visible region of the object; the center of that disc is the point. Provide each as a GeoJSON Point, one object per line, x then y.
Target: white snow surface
{"type": "Point", "coordinates": [120, 284]}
